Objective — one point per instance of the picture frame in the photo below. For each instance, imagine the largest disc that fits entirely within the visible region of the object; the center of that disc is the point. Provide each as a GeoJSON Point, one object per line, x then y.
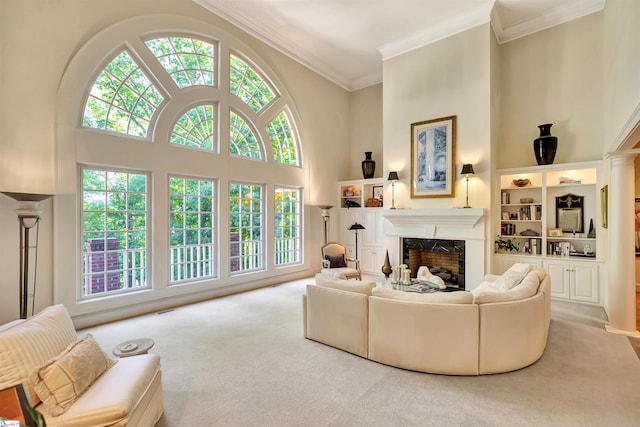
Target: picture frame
{"type": "Point", "coordinates": [433, 144]}
{"type": "Point", "coordinates": [554, 232]}
{"type": "Point", "coordinates": [569, 213]}
{"type": "Point", "coordinates": [378, 192]}
{"type": "Point", "coordinates": [604, 206]}
{"type": "Point", "coordinates": [506, 215]}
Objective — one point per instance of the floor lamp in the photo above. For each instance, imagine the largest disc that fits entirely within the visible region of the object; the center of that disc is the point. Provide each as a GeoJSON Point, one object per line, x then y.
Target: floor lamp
{"type": "Point", "coordinates": [326, 218]}
{"type": "Point", "coordinates": [356, 226]}
{"type": "Point", "coordinates": [28, 218]}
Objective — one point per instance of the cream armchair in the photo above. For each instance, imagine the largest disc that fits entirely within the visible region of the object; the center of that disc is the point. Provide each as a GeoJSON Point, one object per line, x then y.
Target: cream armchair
{"type": "Point", "coordinates": [334, 259]}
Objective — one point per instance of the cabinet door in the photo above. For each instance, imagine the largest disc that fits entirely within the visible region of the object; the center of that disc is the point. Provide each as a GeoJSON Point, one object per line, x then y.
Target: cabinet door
{"type": "Point", "coordinates": [558, 271]}
{"type": "Point", "coordinates": [584, 282]}
{"type": "Point", "coordinates": [372, 258]}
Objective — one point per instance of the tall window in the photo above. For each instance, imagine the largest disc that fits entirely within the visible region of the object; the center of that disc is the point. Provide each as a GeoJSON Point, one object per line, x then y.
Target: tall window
{"type": "Point", "coordinates": [114, 217]}
{"type": "Point", "coordinates": [168, 90]}
{"type": "Point", "coordinates": [287, 225]}
{"type": "Point", "coordinates": [192, 232]}
{"type": "Point", "coordinates": [246, 227]}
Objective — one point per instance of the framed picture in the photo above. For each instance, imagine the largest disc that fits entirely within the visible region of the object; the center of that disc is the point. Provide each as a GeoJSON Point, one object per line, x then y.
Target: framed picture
{"type": "Point", "coordinates": [569, 215]}
{"type": "Point", "coordinates": [433, 144]}
{"type": "Point", "coordinates": [505, 215]}
{"type": "Point", "coordinates": [554, 232]}
{"type": "Point", "coordinates": [604, 206]}
{"type": "Point", "coordinates": [378, 191]}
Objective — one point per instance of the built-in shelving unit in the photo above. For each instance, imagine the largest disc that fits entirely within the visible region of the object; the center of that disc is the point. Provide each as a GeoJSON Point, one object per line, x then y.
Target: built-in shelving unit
{"type": "Point", "coordinates": [354, 199]}
{"type": "Point", "coordinates": [547, 212]}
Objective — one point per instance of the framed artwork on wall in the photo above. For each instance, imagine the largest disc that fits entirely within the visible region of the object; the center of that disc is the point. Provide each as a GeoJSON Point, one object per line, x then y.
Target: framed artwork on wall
{"type": "Point", "coordinates": [433, 157]}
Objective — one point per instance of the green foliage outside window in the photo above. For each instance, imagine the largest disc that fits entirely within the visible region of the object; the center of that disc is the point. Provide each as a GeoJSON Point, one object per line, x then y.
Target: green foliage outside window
{"type": "Point", "coordinates": [242, 140]}
{"type": "Point", "coordinates": [188, 61]}
{"type": "Point", "coordinates": [282, 141]}
{"type": "Point", "coordinates": [196, 128]}
{"type": "Point", "coordinates": [248, 85]}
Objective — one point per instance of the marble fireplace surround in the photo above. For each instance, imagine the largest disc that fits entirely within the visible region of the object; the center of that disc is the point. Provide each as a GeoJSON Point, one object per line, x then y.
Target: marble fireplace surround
{"type": "Point", "coordinates": [445, 224]}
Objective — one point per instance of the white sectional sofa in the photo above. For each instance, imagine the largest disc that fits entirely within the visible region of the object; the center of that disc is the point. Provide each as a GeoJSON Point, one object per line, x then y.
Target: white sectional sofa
{"type": "Point", "coordinates": [71, 381]}
{"type": "Point", "coordinates": [500, 326]}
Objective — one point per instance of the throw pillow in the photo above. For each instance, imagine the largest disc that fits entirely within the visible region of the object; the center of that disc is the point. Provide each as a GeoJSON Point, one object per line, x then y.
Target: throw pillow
{"type": "Point", "coordinates": [62, 380]}
{"type": "Point", "coordinates": [512, 277]}
{"type": "Point", "coordinates": [337, 261]}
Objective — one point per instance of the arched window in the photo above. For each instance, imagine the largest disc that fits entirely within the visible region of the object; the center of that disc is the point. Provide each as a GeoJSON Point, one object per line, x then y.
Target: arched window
{"type": "Point", "coordinates": [166, 89]}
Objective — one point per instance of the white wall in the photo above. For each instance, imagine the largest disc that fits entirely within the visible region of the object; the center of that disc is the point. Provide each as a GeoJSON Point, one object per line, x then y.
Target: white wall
{"type": "Point", "coordinates": [553, 76]}
{"type": "Point", "coordinates": [365, 130]}
{"type": "Point", "coordinates": [448, 77]}
{"type": "Point", "coordinates": [38, 40]}
{"type": "Point", "coordinates": [621, 70]}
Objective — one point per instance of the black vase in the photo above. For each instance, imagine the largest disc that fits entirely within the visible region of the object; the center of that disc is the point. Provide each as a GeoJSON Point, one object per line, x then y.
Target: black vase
{"type": "Point", "coordinates": [368, 166]}
{"type": "Point", "coordinates": [545, 145]}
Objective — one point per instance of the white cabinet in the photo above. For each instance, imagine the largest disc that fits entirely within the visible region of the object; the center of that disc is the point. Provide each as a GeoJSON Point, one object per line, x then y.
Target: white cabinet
{"type": "Point", "coordinates": [575, 280]}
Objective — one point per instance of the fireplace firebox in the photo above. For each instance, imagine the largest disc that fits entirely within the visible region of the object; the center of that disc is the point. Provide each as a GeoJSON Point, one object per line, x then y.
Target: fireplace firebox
{"type": "Point", "coordinates": [444, 258]}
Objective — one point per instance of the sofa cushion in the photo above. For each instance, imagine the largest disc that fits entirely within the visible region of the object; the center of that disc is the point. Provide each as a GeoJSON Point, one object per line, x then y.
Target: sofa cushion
{"type": "Point", "coordinates": [24, 346]}
{"type": "Point", "coordinates": [336, 261]}
{"type": "Point", "coordinates": [62, 380]}
{"type": "Point", "coordinates": [344, 285]}
{"type": "Point", "coordinates": [527, 288]}
{"type": "Point", "coordinates": [512, 277]}
{"type": "Point", "coordinates": [116, 398]}
{"type": "Point", "coordinates": [433, 297]}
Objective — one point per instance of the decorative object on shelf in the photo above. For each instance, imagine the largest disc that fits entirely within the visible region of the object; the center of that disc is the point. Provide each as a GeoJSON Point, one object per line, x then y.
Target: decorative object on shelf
{"type": "Point", "coordinates": [432, 157]}
{"type": "Point", "coordinates": [368, 165]}
{"type": "Point", "coordinates": [326, 218]}
{"type": "Point", "coordinates": [554, 232]}
{"type": "Point", "coordinates": [522, 182]}
{"type": "Point", "coordinates": [505, 245]}
{"type": "Point", "coordinates": [378, 192]}
{"type": "Point", "coordinates": [569, 215]}
{"type": "Point", "coordinates": [355, 226]}
{"type": "Point", "coordinates": [393, 177]}
{"type": "Point", "coordinates": [348, 192]}
{"type": "Point", "coordinates": [28, 217]}
{"type": "Point", "coordinates": [351, 204]}
{"type": "Point", "coordinates": [545, 145]}
{"type": "Point", "coordinates": [564, 179]}
{"type": "Point", "coordinates": [526, 200]}
{"type": "Point", "coordinates": [467, 170]}
{"type": "Point", "coordinates": [592, 231]}
{"type": "Point", "coordinates": [529, 232]}
{"type": "Point", "coordinates": [386, 267]}
{"type": "Point", "coordinates": [373, 203]}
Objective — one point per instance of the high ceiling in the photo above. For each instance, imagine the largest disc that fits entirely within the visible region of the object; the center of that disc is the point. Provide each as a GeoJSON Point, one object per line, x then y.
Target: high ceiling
{"type": "Point", "coordinates": [347, 40]}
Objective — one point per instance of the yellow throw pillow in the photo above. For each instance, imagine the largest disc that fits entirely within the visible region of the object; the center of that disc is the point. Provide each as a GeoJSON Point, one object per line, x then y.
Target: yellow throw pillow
{"type": "Point", "coordinates": [62, 380]}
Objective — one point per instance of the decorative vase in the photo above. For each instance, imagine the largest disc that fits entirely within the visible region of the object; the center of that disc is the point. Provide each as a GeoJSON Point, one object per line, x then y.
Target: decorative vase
{"type": "Point", "coordinates": [368, 165]}
{"type": "Point", "coordinates": [545, 145]}
{"type": "Point", "coordinates": [386, 267]}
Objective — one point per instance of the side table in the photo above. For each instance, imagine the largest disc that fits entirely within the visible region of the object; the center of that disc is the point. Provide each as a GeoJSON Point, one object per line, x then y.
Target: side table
{"type": "Point", "coordinates": [133, 347]}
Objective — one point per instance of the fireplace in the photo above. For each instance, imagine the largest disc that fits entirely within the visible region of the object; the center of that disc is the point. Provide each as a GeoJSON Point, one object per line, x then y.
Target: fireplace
{"type": "Point", "coordinates": [444, 258]}
{"type": "Point", "coordinates": [459, 236]}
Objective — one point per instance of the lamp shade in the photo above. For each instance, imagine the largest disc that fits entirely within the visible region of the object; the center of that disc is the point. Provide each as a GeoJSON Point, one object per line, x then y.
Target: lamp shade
{"type": "Point", "coordinates": [393, 176]}
{"type": "Point", "coordinates": [467, 169]}
{"type": "Point", "coordinates": [355, 226]}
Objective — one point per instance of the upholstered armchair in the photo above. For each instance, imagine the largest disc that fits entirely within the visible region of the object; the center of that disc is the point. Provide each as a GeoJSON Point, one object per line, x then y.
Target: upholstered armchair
{"type": "Point", "coordinates": [334, 259]}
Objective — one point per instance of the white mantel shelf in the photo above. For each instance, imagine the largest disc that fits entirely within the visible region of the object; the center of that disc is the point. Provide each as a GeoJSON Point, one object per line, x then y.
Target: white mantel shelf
{"type": "Point", "coordinates": [460, 217]}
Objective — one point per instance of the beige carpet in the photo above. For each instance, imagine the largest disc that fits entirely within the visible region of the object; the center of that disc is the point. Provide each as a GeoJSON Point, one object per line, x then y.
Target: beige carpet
{"type": "Point", "coordinates": [242, 361]}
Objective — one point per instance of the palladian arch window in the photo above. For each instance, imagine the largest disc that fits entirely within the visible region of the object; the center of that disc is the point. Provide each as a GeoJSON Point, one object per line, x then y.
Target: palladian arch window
{"type": "Point", "coordinates": [248, 85]}
{"type": "Point", "coordinates": [188, 61]}
{"type": "Point", "coordinates": [122, 99]}
{"type": "Point", "coordinates": [197, 186]}
{"type": "Point", "coordinates": [242, 140]}
{"type": "Point", "coordinates": [196, 128]}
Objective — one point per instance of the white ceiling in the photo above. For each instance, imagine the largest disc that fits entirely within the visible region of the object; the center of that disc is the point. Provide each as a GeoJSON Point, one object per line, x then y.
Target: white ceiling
{"type": "Point", "coordinates": [347, 40]}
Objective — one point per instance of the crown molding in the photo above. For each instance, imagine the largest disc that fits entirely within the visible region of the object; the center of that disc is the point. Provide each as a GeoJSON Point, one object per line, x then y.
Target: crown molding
{"type": "Point", "coordinates": [470, 19]}
{"type": "Point", "coordinates": [550, 18]}
{"type": "Point", "coordinates": [275, 39]}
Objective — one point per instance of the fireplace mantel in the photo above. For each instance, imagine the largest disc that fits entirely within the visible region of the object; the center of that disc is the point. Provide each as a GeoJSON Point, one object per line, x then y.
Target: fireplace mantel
{"type": "Point", "coordinates": [458, 217]}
